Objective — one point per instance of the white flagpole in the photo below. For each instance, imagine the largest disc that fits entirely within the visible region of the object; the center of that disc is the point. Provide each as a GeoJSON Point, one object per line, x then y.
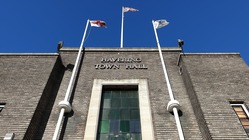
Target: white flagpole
{"type": "Point", "coordinates": [122, 28]}
{"type": "Point", "coordinates": [65, 105]}
{"type": "Point", "coordinates": [77, 62]}
{"type": "Point", "coordinates": [178, 123]}
{"type": "Point", "coordinates": [163, 65]}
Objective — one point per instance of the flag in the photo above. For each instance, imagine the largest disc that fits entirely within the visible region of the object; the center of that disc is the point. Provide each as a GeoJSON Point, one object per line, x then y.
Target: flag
{"type": "Point", "coordinates": [97, 23]}
{"type": "Point", "coordinates": [127, 9]}
{"type": "Point", "coordinates": [160, 23]}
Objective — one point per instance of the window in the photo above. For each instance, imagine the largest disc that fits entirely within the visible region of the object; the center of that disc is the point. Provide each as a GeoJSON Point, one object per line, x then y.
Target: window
{"type": "Point", "coordinates": [94, 111]}
{"type": "Point", "coordinates": [2, 105]}
{"type": "Point", "coordinates": [119, 115]}
{"type": "Point", "coordinates": [243, 114]}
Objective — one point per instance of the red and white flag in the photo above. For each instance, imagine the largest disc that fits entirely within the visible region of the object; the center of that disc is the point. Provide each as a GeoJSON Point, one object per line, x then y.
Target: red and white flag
{"type": "Point", "coordinates": [97, 23]}
{"type": "Point", "coordinates": [127, 9]}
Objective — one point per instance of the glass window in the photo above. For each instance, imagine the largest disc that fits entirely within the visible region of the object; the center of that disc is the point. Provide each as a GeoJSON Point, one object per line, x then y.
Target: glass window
{"type": "Point", "coordinates": [119, 115]}
{"type": "Point", "coordinates": [114, 114]}
{"type": "Point", "coordinates": [243, 115]}
{"type": "Point", "coordinates": [114, 127]}
{"type": "Point", "coordinates": [104, 126]}
{"type": "Point", "coordinates": [125, 114]}
{"type": "Point", "coordinates": [105, 114]}
{"type": "Point", "coordinates": [135, 126]}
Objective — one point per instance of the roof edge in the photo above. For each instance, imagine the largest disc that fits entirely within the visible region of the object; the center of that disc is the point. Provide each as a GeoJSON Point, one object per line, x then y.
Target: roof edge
{"type": "Point", "coordinates": [210, 53]}
{"type": "Point", "coordinates": [225, 53]}
{"type": "Point", "coordinates": [169, 49]}
{"type": "Point", "coordinates": [29, 54]}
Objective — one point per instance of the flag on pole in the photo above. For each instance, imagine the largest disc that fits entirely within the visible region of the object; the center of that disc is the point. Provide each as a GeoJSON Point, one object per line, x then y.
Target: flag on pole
{"type": "Point", "coordinates": [97, 23]}
{"type": "Point", "coordinates": [160, 23]}
{"type": "Point", "coordinates": [127, 9]}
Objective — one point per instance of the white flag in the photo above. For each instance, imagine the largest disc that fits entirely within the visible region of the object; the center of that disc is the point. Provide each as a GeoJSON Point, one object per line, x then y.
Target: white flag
{"type": "Point", "coordinates": [97, 23]}
{"type": "Point", "coordinates": [160, 23]}
{"type": "Point", "coordinates": [127, 9]}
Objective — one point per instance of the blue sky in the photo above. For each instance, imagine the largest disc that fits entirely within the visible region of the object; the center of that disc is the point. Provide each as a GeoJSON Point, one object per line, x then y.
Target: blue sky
{"type": "Point", "coordinates": [205, 26]}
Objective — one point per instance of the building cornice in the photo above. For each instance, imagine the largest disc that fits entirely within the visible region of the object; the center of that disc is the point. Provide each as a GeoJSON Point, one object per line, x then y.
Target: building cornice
{"type": "Point", "coordinates": [225, 53]}
{"type": "Point", "coordinates": [168, 49]}
{"type": "Point", "coordinates": [193, 54]}
{"type": "Point", "coordinates": [29, 54]}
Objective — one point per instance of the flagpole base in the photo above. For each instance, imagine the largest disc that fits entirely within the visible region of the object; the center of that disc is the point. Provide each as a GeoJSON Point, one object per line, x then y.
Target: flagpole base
{"type": "Point", "coordinates": [173, 104]}
{"type": "Point", "coordinates": [66, 105]}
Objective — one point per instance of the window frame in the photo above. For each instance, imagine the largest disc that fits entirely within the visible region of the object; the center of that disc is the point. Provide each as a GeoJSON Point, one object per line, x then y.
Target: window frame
{"type": "Point", "coordinates": [243, 106]}
{"type": "Point", "coordinates": [127, 105]}
{"type": "Point", "coordinates": [2, 105]}
{"type": "Point", "coordinates": [245, 110]}
{"type": "Point", "coordinates": [147, 131]}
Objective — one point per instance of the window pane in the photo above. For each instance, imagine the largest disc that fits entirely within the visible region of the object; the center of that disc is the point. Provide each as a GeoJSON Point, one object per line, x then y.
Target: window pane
{"type": "Point", "coordinates": [135, 114]}
{"type": "Point", "coordinates": [114, 127]}
{"type": "Point", "coordinates": [238, 108]}
{"type": "Point", "coordinates": [125, 103]}
{"type": "Point", "coordinates": [112, 137]}
{"type": "Point", "coordinates": [105, 114]}
{"type": "Point", "coordinates": [246, 127]}
{"type": "Point", "coordinates": [114, 114]}
{"type": "Point", "coordinates": [135, 137]}
{"type": "Point", "coordinates": [125, 114]}
{"type": "Point", "coordinates": [116, 94]}
{"type": "Point", "coordinates": [103, 137]}
{"type": "Point", "coordinates": [126, 136]}
{"type": "Point", "coordinates": [104, 126]}
{"type": "Point", "coordinates": [244, 121]}
{"type": "Point", "coordinates": [107, 103]}
{"type": "Point", "coordinates": [135, 126]}
{"type": "Point", "coordinates": [115, 103]}
{"type": "Point", "coordinates": [124, 94]}
{"type": "Point", "coordinates": [134, 102]}
{"type": "Point", "coordinates": [124, 126]}
{"type": "Point", "coordinates": [107, 95]}
{"type": "Point", "coordinates": [132, 94]}
{"type": "Point", "coordinates": [241, 115]}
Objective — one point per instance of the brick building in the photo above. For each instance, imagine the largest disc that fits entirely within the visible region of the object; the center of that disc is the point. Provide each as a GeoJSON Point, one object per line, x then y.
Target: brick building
{"type": "Point", "coordinates": [122, 93]}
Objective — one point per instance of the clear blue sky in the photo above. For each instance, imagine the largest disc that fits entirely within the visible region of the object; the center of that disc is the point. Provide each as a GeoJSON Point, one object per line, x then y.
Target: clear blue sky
{"type": "Point", "coordinates": [205, 26]}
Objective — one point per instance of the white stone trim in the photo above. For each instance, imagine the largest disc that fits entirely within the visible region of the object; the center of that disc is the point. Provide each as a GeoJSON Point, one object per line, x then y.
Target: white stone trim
{"type": "Point", "coordinates": [147, 131]}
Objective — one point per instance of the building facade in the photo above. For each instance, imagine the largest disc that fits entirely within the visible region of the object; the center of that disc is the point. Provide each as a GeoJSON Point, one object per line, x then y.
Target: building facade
{"type": "Point", "coordinates": [122, 94]}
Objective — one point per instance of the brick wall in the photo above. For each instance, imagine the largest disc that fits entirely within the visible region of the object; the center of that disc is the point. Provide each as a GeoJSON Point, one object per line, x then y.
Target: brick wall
{"type": "Point", "coordinates": [33, 85]}
{"type": "Point", "coordinates": [22, 82]}
{"type": "Point", "coordinates": [212, 81]}
{"type": "Point", "coordinates": [43, 110]}
{"type": "Point", "coordinates": [163, 121]}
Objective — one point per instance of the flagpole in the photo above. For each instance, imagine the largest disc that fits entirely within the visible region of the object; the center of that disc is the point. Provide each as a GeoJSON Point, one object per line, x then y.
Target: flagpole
{"type": "Point", "coordinates": [122, 29]}
{"type": "Point", "coordinates": [173, 103]}
{"type": "Point", "coordinates": [163, 65]}
{"type": "Point", "coordinates": [64, 105]}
